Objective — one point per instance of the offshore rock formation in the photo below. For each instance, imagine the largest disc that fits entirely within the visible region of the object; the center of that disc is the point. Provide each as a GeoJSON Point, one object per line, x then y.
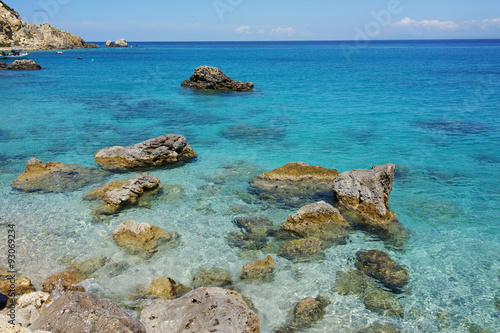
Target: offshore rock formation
{"type": "Point", "coordinates": [116, 195]}
{"type": "Point", "coordinates": [139, 237]}
{"type": "Point", "coordinates": [85, 312]}
{"type": "Point", "coordinates": [21, 65]}
{"type": "Point", "coordinates": [56, 177]}
{"type": "Point", "coordinates": [201, 310]}
{"type": "Point", "coordinates": [13, 29]}
{"type": "Point", "coordinates": [161, 151]}
{"type": "Point", "coordinates": [207, 77]}
{"type": "Point", "coordinates": [119, 43]}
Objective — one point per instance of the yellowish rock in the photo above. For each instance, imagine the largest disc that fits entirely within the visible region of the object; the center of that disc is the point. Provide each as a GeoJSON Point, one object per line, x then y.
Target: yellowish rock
{"type": "Point", "coordinates": [258, 270]}
{"type": "Point", "coordinates": [141, 236]}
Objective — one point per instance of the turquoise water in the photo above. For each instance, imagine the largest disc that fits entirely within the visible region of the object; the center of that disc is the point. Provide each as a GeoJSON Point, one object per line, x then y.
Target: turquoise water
{"type": "Point", "coordinates": [429, 107]}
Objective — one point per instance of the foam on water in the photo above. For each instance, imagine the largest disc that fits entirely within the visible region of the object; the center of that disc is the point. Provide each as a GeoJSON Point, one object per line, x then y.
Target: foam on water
{"type": "Point", "coordinates": [430, 107]}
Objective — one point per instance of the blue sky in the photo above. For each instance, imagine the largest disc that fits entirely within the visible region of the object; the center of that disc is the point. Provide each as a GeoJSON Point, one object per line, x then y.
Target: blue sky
{"type": "Point", "coordinates": [248, 20]}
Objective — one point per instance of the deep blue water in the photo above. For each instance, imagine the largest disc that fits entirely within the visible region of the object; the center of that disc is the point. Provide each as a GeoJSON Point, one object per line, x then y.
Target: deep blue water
{"type": "Point", "coordinates": [430, 107]}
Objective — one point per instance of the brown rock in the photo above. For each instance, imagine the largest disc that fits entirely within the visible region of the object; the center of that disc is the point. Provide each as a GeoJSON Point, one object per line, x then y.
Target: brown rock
{"type": "Point", "coordinates": [303, 250]}
{"type": "Point", "coordinates": [166, 288]}
{"type": "Point", "coordinates": [217, 277]}
{"type": "Point", "coordinates": [141, 236]}
{"type": "Point", "coordinates": [306, 313]}
{"type": "Point", "coordinates": [20, 285]}
{"type": "Point", "coordinates": [164, 150]}
{"type": "Point", "coordinates": [301, 172]}
{"type": "Point", "coordinates": [380, 266]}
{"type": "Point", "coordinates": [63, 281]}
{"type": "Point", "coordinates": [24, 65]}
{"type": "Point", "coordinates": [258, 270]}
{"type": "Point", "coordinates": [87, 267]}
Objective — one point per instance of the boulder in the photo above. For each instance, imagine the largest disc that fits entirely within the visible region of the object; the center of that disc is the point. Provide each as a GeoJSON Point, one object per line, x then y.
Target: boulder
{"type": "Point", "coordinates": [56, 177]}
{"type": "Point", "coordinates": [319, 220]}
{"type": "Point", "coordinates": [85, 312]}
{"type": "Point", "coordinates": [116, 195]}
{"type": "Point", "coordinates": [164, 150]}
{"type": "Point", "coordinates": [306, 313]}
{"type": "Point", "coordinates": [121, 43]}
{"type": "Point", "coordinates": [142, 237]}
{"type": "Point", "coordinates": [380, 266]}
{"type": "Point", "coordinates": [258, 270]}
{"type": "Point", "coordinates": [303, 250]}
{"type": "Point", "coordinates": [63, 281]}
{"type": "Point", "coordinates": [21, 65]}
{"type": "Point", "coordinates": [207, 77]}
{"type": "Point", "coordinates": [166, 288]}
{"type": "Point", "coordinates": [109, 43]}
{"type": "Point", "coordinates": [367, 191]}
{"type": "Point", "coordinates": [20, 285]}
{"type": "Point", "coordinates": [216, 277]}
{"type": "Point", "coordinates": [90, 46]}
{"type": "Point", "coordinates": [201, 310]}
{"type": "Point", "coordinates": [29, 307]}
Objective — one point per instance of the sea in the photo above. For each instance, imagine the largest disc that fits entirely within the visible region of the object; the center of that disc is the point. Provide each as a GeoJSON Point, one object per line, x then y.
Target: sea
{"type": "Point", "coordinates": [430, 107]}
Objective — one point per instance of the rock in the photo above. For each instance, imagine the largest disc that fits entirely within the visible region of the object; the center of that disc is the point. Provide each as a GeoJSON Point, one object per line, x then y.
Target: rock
{"type": "Point", "coordinates": [63, 281]}
{"type": "Point", "coordinates": [306, 313]}
{"type": "Point", "coordinates": [319, 220]}
{"type": "Point", "coordinates": [297, 172]}
{"type": "Point", "coordinates": [207, 77]}
{"type": "Point", "coordinates": [164, 150]}
{"type": "Point", "coordinates": [56, 177]}
{"type": "Point", "coordinates": [258, 270]}
{"type": "Point", "coordinates": [5, 327]}
{"type": "Point", "coordinates": [21, 285]}
{"type": "Point", "coordinates": [90, 46]}
{"type": "Point", "coordinates": [119, 43]}
{"type": "Point", "coordinates": [109, 43]}
{"type": "Point", "coordinates": [4, 274]}
{"type": "Point", "coordinates": [380, 328]}
{"type": "Point", "coordinates": [254, 225]}
{"type": "Point", "coordinates": [355, 282]}
{"type": "Point", "coordinates": [87, 267]}
{"type": "Point", "coordinates": [29, 307]}
{"type": "Point", "coordinates": [497, 302]}
{"type": "Point", "coordinates": [85, 312]}
{"type": "Point", "coordinates": [21, 65]}
{"type": "Point", "coordinates": [380, 266]}
{"type": "Point", "coordinates": [216, 277]}
{"type": "Point", "coordinates": [248, 241]}
{"type": "Point", "coordinates": [116, 195]}
{"type": "Point", "coordinates": [201, 310]}
{"type": "Point", "coordinates": [166, 288]}
{"type": "Point", "coordinates": [302, 250]}
{"type": "Point", "coordinates": [367, 191]}
{"type": "Point", "coordinates": [142, 237]}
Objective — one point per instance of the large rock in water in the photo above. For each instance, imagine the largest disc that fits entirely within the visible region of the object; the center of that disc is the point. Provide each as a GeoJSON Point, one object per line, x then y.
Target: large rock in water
{"type": "Point", "coordinates": [85, 312]}
{"type": "Point", "coordinates": [207, 77]}
{"type": "Point", "coordinates": [201, 310]}
{"type": "Point", "coordinates": [141, 236]}
{"type": "Point", "coordinates": [367, 191]}
{"type": "Point", "coordinates": [119, 43]}
{"type": "Point", "coordinates": [163, 150]}
{"type": "Point", "coordinates": [117, 195]}
{"type": "Point", "coordinates": [21, 65]}
{"type": "Point", "coordinates": [306, 313]}
{"type": "Point", "coordinates": [56, 177]}
{"type": "Point", "coordinates": [319, 220]}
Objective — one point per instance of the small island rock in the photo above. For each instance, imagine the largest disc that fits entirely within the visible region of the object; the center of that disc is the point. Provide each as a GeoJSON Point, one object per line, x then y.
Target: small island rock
{"type": "Point", "coordinates": [21, 65]}
{"type": "Point", "coordinates": [208, 77]}
{"type": "Point", "coordinates": [141, 236]}
{"type": "Point", "coordinates": [119, 43]}
{"type": "Point", "coordinates": [157, 152]}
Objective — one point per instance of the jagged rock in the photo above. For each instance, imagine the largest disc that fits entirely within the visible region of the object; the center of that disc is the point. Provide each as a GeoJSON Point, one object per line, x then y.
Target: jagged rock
{"type": "Point", "coordinates": [166, 288]}
{"type": "Point", "coordinates": [216, 277]}
{"type": "Point", "coordinates": [119, 43]}
{"type": "Point", "coordinates": [56, 177]}
{"type": "Point", "coordinates": [369, 291]}
{"type": "Point", "coordinates": [201, 310]}
{"type": "Point", "coordinates": [29, 307]}
{"type": "Point", "coordinates": [142, 237]}
{"type": "Point", "coordinates": [22, 285]}
{"type": "Point", "coordinates": [207, 77]}
{"type": "Point", "coordinates": [258, 270]}
{"type": "Point", "coordinates": [161, 151]}
{"type": "Point", "coordinates": [319, 220]}
{"type": "Point", "coordinates": [367, 191]}
{"type": "Point", "coordinates": [21, 65]}
{"type": "Point", "coordinates": [116, 195]}
{"type": "Point", "coordinates": [87, 267]}
{"type": "Point", "coordinates": [85, 312]}
{"type": "Point", "coordinates": [380, 266]}
{"type": "Point", "coordinates": [306, 313]}
{"type": "Point", "coordinates": [34, 36]}
{"type": "Point", "coordinates": [302, 250]}
{"type": "Point", "coordinates": [63, 281]}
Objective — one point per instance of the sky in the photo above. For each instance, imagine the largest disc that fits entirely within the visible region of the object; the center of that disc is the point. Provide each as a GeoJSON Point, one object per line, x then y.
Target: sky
{"type": "Point", "coordinates": [259, 20]}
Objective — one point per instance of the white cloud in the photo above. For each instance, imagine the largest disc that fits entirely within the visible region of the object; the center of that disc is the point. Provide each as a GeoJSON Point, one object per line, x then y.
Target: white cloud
{"type": "Point", "coordinates": [486, 23]}
{"type": "Point", "coordinates": [290, 32]}
{"type": "Point", "coordinates": [243, 30]}
{"type": "Point", "coordinates": [433, 25]}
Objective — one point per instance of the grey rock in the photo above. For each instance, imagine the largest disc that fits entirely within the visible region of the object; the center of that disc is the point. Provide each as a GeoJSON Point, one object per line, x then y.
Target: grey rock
{"type": "Point", "coordinates": [208, 77]}
{"type": "Point", "coordinates": [21, 65]}
{"type": "Point", "coordinates": [201, 310]}
{"type": "Point", "coordinates": [85, 312]}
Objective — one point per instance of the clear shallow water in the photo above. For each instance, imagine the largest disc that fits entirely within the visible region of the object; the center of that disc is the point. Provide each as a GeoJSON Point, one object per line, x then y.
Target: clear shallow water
{"type": "Point", "coordinates": [429, 107]}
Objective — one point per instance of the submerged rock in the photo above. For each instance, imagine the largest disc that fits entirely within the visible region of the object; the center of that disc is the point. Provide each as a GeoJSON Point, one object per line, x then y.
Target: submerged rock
{"type": "Point", "coordinates": [63, 281]}
{"type": "Point", "coordinates": [85, 312]}
{"type": "Point", "coordinates": [251, 134]}
{"type": "Point", "coordinates": [369, 291]}
{"type": "Point", "coordinates": [207, 77]}
{"type": "Point", "coordinates": [21, 65]}
{"type": "Point", "coordinates": [303, 250]}
{"type": "Point", "coordinates": [88, 267]}
{"type": "Point", "coordinates": [380, 266]}
{"type": "Point", "coordinates": [256, 225]}
{"type": "Point", "coordinates": [319, 220]}
{"type": "Point", "coordinates": [166, 288]}
{"type": "Point", "coordinates": [201, 310]}
{"type": "Point", "coordinates": [56, 177]}
{"type": "Point", "coordinates": [258, 270]}
{"type": "Point", "coordinates": [142, 237]}
{"type": "Point", "coordinates": [216, 277]}
{"type": "Point", "coordinates": [299, 172]}
{"type": "Point", "coordinates": [116, 195]}
{"type": "Point", "coordinates": [247, 241]}
{"type": "Point", "coordinates": [164, 150]}
{"type": "Point", "coordinates": [255, 231]}
{"type": "Point", "coordinates": [306, 313]}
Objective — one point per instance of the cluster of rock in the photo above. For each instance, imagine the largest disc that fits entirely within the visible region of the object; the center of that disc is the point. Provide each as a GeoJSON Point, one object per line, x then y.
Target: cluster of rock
{"type": "Point", "coordinates": [119, 43]}
{"type": "Point", "coordinates": [208, 77]}
{"type": "Point", "coordinates": [13, 29]}
{"type": "Point", "coordinates": [21, 65]}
